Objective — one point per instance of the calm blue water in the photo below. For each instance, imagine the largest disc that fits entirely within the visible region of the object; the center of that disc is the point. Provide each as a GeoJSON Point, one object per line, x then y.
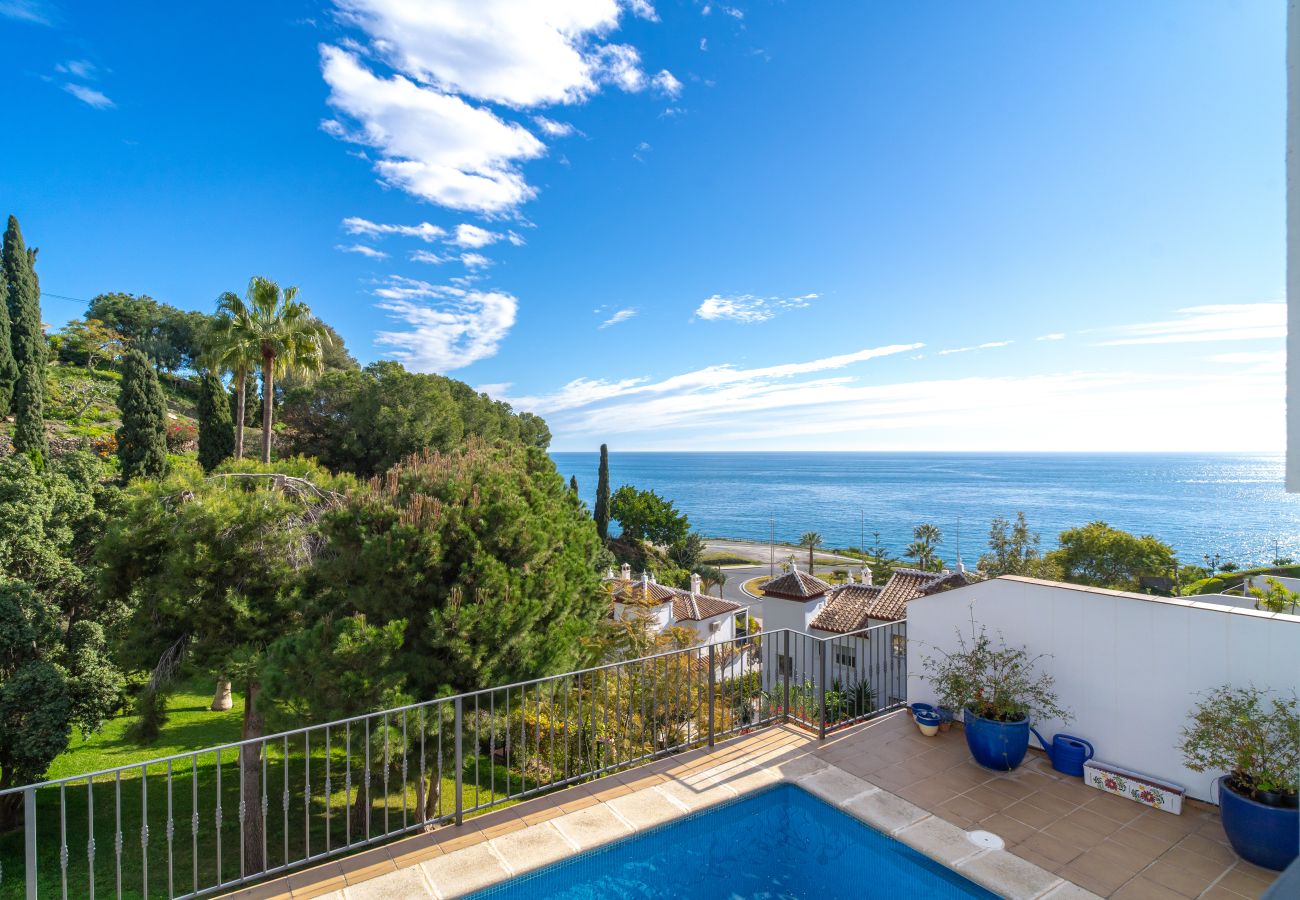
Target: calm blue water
{"type": "Point", "coordinates": [782, 844]}
{"type": "Point", "coordinates": [1231, 504]}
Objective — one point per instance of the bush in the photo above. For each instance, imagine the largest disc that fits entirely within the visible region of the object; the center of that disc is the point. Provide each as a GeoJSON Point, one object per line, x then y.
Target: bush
{"type": "Point", "coordinates": [181, 435]}
{"type": "Point", "coordinates": [1232, 730]}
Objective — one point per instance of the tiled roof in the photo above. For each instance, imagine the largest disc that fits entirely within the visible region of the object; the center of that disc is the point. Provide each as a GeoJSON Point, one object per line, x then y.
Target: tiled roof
{"type": "Point", "coordinates": [687, 606]}
{"type": "Point", "coordinates": [796, 585]}
{"type": "Point", "coordinates": [853, 606]}
{"type": "Point", "coordinates": [698, 607]}
{"type": "Point", "coordinates": [848, 608]}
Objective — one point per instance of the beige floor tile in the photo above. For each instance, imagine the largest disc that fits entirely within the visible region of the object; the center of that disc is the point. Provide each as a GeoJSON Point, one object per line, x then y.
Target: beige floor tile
{"type": "Point", "coordinates": [885, 811]}
{"type": "Point", "coordinates": [1008, 875]}
{"type": "Point", "coordinates": [464, 871]}
{"type": "Point", "coordinates": [1031, 815]}
{"type": "Point", "coordinates": [834, 785]}
{"type": "Point", "coordinates": [1143, 888]}
{"type": "Point", "coordinates": [937, 839]}
{"type": "Point", "coordinates": [1012, 831]}
{"type": "Point", "coordinates": [532, 848]}
{"type": "Point", "coordinates": [408, 884]}
{"type": "Point", "coordinates": [1055, 849]}
{"type": "Point", "coordinates": [591, 827]}
{"type": "Point", "coordinates": [646, 809]}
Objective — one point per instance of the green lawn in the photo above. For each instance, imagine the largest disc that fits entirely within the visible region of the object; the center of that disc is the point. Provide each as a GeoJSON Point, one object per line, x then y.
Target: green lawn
{"type": "Point", "coordinates": [196, 785]}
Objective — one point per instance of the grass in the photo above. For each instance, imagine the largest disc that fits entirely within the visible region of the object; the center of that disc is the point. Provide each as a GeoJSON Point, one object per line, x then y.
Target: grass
{"type": "Point", "coordinates": [727, 559]}
{"type": "Point", "coordinates": [1217, 584]}
{"type": "Point", "coordinates": [294, 772]}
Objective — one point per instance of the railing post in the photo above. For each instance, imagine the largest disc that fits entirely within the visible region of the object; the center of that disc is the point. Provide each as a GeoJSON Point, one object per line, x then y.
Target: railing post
{"type": "Point", "coordinates": [787, 663]}
{"type": "Point", "coordinates": [460, 766]}
{"type": "Point", "coordinates": [29, 839]}
{"type": "Point", "coordinates": [712, 692]}
{"type": "Point", "coordinates": [821, 689]}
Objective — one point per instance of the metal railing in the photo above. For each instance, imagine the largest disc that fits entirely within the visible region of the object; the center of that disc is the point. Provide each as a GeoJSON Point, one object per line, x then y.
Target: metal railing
{"type": "Point", "coordinates": [267, 805]}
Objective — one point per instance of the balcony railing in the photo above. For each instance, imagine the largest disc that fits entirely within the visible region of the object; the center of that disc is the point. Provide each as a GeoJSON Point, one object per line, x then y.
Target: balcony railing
{"type": "Point", "coordinates": [214, 819]}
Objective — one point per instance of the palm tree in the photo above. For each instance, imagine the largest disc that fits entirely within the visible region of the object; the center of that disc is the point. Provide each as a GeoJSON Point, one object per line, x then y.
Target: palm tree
{"type": "Point", "coordinates": [925, 538]}
{"type": "Point", "coordinates": [812, 540]}
{"type": "Point", "coordinates": [230, 350]}
{"type": "Point", "coordinates": [279, 332]}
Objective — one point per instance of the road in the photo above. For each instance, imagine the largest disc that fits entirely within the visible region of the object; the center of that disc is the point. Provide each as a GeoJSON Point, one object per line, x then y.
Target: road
{"type": "Point", "coordinates": [738, 575]}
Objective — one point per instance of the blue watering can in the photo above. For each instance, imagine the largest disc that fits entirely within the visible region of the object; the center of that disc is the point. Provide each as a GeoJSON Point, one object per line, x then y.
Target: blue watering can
{"type": "Point", "coordinates": [1067, 752]}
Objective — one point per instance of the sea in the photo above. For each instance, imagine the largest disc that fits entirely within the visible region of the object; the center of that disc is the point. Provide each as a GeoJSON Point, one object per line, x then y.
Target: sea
{"type": "Point", "coordinates": [1230, 504]}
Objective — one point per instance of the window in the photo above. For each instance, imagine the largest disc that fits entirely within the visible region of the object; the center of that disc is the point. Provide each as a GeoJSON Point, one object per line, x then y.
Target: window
{"type": "Point", "coordinates": [784, 665]}
{"type": "Point", "coordinates": [846, 656]}
{"type": "Point", "coordinates": [899, 644]}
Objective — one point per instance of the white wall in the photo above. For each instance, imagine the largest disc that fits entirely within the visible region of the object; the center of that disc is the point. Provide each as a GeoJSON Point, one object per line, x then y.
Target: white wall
{"type": "Point", "coordinates": [1293, 249]}
{"type": "Point", "coordinates": [1262, 582]}
{"type": "Point", "coordinates": [1126, 665]}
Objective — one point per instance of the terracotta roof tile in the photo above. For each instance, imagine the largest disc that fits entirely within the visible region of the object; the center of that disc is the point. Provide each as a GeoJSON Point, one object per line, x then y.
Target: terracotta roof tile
{"type": "Point", "coordinates": [853, 606]}
{"type": "Point", "coordinates": [796, 585]}
{"type": "Point", "coordinates": [687, 606]}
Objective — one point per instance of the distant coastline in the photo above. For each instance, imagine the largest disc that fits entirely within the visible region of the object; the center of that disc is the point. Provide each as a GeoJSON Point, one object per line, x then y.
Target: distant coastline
{"type": "Point", "coordinates": [1227, 503]}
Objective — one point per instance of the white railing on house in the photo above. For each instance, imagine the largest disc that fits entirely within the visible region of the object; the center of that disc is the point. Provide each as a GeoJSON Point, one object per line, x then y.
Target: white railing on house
{"type": "Point", "coordinates": [214, 819]}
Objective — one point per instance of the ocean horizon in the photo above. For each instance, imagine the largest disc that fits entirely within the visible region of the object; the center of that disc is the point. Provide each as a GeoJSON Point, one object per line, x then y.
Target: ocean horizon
{"type": "Point", "coordinates": [1232, 504]}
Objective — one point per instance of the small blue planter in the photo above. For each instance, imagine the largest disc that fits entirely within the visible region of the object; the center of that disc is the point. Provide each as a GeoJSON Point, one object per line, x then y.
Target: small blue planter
{"type": "Point", "coordinates": [996, 745]}
{"type": "Point", "coordinates": [1267, 836]}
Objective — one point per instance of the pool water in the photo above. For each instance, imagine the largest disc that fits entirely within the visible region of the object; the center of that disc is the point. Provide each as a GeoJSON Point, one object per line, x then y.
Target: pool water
{"type": "Point", "coordinates": [781, 844]}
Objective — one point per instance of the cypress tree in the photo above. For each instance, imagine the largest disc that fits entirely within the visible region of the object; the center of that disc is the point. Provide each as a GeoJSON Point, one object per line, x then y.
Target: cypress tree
{"type": "Point", "coordinates": [8, 369]}
{"type": "Point", "coordinates": [216, 428]}
{"type": "Point", "coordinates": [573, 483]}
{"type": "Point", "coordinates": [27, 341]}
{"type": "Point", "coordinates": [142, 439]}
{"type": "Point", "coordinates": [602, 494]}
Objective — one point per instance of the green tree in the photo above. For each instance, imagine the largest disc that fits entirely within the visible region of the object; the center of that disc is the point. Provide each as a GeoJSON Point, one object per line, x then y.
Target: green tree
{"type": "Point", "coordinates": [172, 338]}
{"type": "Point", "coordinates": [925, 540]}
{"type": "Point", "coordinates": [812, 540]}
{"type": "Point", "coordinates": [8, 368]}
{"type": "Point", "coordinates": [645, 516]}
{"type": "Point", "coordinates": [281, 334]}
{"type": "Point", "coordinates": [27, 340]}
{"type": "Point", "coordinates": [573, 483]}
{"type": "Point", "coordinates": [686, 553]}
{"type": "Point", "coordinates": [216, 431]}
{"type": "Point", "coordinates": [216, 566]}
{"type": "Point", "coordinates": [90, 341]}
{"type": "Point", "coordinates": [1013, 550]}
{"type": "Point", "coordinates": [602, 494]}
{"type": "Point", "coordinates": [142, 437]}
{"type": "Point", "coordinates": [1277, 598]}
{"type": "Point", "coordinates": [484, 554]}
{"type": "Point", "coordinates": [1100, 555]}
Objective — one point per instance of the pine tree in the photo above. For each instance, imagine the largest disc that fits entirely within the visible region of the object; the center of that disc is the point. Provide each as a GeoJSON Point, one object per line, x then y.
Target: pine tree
{"type": "Point", "coordinates": [216, 428]}
{"type": "Point", "coordinates": [602, 494]}
{"type": "Point", "coordinates": [8, 369]}
{"type": "Point", "coordinates": [573, 483]}
{"type": "Point", "coordinates": [142, 439]}
{"type": "Point", "coordinates": [27, 340]}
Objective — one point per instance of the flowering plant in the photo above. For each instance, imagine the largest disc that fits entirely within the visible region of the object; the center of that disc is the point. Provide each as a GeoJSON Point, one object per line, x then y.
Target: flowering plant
{"type": "Point", "coordinates": [1236, 730]}
{"type": "Point", "coordinates": [181, 434]}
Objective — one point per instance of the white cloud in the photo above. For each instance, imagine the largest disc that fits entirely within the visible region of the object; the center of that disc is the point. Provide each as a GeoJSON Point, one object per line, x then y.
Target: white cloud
{"type": "Point", "coordinates": [666, 82]}
{"type": "Point", "coordinates": [1218, 322]}
{"type": "Point", "coordinates": [732, 11]}
{"type": "Point", "coordinates": [77, 68]}
{"type": "Point", "coordinates": [475, 260]}
{"type": "Point", "coordinates": [474, 237]}
{"type": "Point", "coordinates": [643, 9]}
{"type": "Point", "coordinates": [428, 256]}
{"type": "Point", "coordinates": [432, 145]}
{"type": "Point", "coordinates": [89, 96]}
{"type": "Point", "coordinates": [621, 316]}
{"type": "Point", "coordinates": [516, 239]}
{"type": "Point", "coordinates": [552, 128]}
{"type": "Point", "coordinates": [363, 250]}
{"type": "Point", "coordinates": [704, 44]}
{"type": "Point", "coordinates": [34, 12]}
{"type": "Point", "coordinates": [987, 345]}
{"type": "Point", "coordinates": [503, 51]}
{"type": "Point", "coordinates": [747, 307]}
{"type": "Point", "coordinates": [1054, 336]}
{"type": "Point", "coordinates": [446, 328]}
{"type": "Point", "coordinates": [424, 231]}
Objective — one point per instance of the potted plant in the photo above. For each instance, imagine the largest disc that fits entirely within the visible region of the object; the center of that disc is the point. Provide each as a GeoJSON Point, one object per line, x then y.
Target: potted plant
{"type": "Point", "coordinates": [998, 690]}
{"type": "Point", "coordinates": [1255, 739]}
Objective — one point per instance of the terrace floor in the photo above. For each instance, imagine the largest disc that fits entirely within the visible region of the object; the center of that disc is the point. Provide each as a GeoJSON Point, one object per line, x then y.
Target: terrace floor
{"type": "Point", "coordinates": [1063, 840]}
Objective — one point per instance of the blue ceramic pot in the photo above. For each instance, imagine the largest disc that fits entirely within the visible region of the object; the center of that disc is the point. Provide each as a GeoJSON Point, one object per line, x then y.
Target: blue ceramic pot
{"type": "Point", "coordinates": [996, 745]}
{"type": "Point", "coordinates": [1264, 835]}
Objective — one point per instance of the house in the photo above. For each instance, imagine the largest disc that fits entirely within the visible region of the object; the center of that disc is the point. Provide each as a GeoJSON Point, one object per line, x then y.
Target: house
{"type": "Point", "coordinates": [802, 602]}
{"type": "Point", "coordinates": [713, 620]}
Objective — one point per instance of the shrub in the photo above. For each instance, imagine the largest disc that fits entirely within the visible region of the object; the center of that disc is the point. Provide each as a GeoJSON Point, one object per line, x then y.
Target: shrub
{"type": "Point", "coordinates": [1232, 730]}
{"type": "Point", "coordinates": [181, 435]}
{"type": "Point", "coordinates": [1001, 683]}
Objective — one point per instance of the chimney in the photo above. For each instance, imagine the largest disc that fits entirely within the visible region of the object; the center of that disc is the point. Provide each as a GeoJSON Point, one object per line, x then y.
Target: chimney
{"type": "Point", "coordinates": [696, 583]}
{"type": "Point", "coordinates": [609, 575]}
{"type": "Point", "coordinates": [652, 578]}
{"type": "Point", "coordinates": [626, 572]}
{"type": "Point", "coordinates": [866, 574]}
{"type": "Point", "coordinates": [851, 578]}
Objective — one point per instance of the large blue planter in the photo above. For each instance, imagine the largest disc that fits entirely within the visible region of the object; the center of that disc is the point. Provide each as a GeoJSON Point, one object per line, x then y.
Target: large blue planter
{"type": "Point", "coordinates": [996, 745]}
{"type": "Point", "coordinates": [1267, 836]}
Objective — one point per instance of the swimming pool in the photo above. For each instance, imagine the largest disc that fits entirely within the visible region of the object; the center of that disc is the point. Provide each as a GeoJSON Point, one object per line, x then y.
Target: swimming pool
{"type": "Point", "coordinates": [781, 844]}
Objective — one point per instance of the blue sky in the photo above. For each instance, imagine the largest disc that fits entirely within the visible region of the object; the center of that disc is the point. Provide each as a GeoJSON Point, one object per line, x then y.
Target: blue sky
{"type": "Point", "coordinates": [682, 224]}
